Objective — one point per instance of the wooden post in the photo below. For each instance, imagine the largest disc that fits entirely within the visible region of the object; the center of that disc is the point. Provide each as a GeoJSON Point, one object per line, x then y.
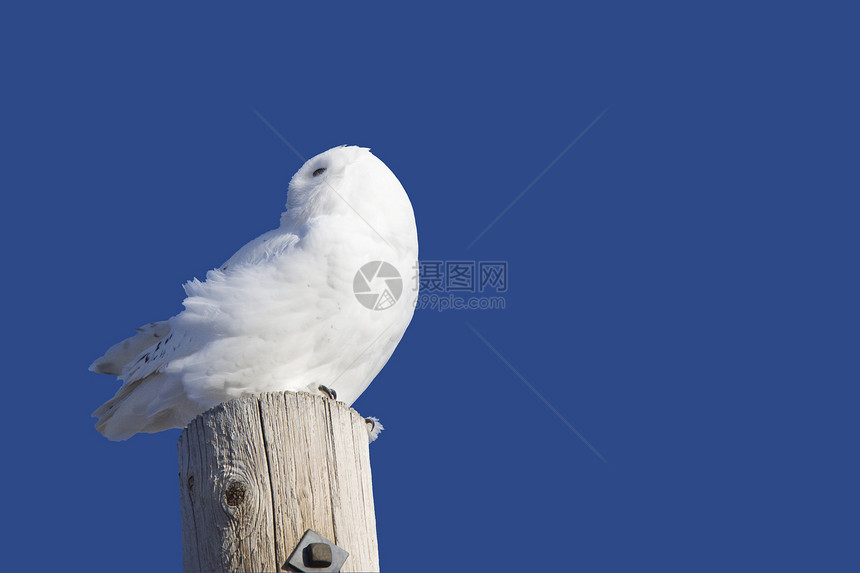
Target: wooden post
{"type": "Point", "coordinates": [256, 472]}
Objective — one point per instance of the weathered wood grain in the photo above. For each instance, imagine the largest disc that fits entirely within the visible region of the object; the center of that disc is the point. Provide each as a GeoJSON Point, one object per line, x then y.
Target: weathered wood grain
{"type": "Point", "coordinates": [255, 473]}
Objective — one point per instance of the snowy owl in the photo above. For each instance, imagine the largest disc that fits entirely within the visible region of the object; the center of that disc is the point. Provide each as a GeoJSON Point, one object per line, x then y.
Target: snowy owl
{"type": "Point", "coordinates": [317, 305]}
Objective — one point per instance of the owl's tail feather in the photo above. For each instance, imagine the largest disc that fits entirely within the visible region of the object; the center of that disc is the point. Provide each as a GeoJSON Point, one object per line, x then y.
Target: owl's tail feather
{"type": "Point", "coordinates": [131, 410]}
{"type": "Point", "coordinates": [127, 350]}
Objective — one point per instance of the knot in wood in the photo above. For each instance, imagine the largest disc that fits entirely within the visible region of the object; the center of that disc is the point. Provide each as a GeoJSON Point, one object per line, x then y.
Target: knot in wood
{"type": "Point", "coordinates": [234, 495]}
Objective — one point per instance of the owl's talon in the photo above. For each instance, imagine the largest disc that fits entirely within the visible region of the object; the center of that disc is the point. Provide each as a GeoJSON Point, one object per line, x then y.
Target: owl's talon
{"type": "Point", "coordinates": [375, 426]}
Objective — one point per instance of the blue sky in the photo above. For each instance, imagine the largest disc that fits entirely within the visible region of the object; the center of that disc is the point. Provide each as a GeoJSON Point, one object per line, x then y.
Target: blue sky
{"type": "Point", "coordinates": [682, 280]}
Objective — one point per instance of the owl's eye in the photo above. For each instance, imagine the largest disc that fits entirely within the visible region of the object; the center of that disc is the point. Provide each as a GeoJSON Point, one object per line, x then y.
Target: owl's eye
{"type": "Point", "coordinates": [319, 171]}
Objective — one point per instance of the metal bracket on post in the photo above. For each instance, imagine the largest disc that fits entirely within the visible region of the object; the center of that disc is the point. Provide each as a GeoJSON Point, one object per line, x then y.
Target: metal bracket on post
{"type": "Point", "coordinates": [316, 553]}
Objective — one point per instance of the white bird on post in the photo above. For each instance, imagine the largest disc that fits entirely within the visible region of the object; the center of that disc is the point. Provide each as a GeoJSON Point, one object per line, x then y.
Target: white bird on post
{"type": "Point", "coordinates": [271, 349]}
